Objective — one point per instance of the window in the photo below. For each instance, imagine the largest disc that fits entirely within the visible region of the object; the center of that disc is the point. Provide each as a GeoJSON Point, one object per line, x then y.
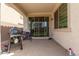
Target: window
{"type": "Point", "coordinates": [60, 17]}
{"type": "Point", "coordinates": [39, 26]}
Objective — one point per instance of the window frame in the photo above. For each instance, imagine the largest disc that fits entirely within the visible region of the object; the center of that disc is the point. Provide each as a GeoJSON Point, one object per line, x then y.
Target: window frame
{"type": "Point", "coordinates": [58, 19]}
{"type": "Point", "coordinates": [68, 29]}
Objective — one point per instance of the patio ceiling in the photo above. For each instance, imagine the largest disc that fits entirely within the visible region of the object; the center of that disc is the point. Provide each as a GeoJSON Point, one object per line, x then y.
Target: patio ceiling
{"type": "Point", "coordinates": [35, 7]}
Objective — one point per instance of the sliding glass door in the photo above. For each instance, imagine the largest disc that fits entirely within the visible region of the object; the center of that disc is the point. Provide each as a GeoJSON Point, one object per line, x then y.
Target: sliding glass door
{"type": "Point", "coordinates": [39, 26]}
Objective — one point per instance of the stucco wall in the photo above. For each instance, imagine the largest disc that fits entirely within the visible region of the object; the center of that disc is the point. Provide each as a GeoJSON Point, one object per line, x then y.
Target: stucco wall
{"type": "Point", "coordinates": [26, 24]}
{"type": "Point", "coordinates": [69, 38]}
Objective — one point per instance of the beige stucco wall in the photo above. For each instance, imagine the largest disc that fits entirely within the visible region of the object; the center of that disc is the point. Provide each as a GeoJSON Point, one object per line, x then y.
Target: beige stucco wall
{"type": "Point", "coordinates": [69, 38]}
{"type": "Point", "coordinates": [10, 15]}
{"type": "Point", "coordinates": [26, 24]}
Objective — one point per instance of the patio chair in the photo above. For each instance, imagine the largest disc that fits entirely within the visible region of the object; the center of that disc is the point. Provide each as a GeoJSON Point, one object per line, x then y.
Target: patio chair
{"type": "Point", "coordinates": [16, 38]}
{"type": "Point", "coordinates": [27, 35]}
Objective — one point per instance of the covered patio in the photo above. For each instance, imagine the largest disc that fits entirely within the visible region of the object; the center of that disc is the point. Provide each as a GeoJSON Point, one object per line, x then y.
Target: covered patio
{"type": "Point", "coordinates": [52, 26]}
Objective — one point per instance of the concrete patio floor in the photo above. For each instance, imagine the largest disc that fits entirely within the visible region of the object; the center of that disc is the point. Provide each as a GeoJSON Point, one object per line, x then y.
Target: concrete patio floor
{"type": "Point", "coordinates": [39, 47]}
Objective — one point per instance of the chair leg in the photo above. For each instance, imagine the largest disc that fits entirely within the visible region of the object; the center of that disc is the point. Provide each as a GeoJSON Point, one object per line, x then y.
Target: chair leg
{"type": "Point", "coordinates": [31, 39]}
{"type": "Point", "coordinates": [21, 44]}
{"type": "Point", "coordinates": [9, 47]}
